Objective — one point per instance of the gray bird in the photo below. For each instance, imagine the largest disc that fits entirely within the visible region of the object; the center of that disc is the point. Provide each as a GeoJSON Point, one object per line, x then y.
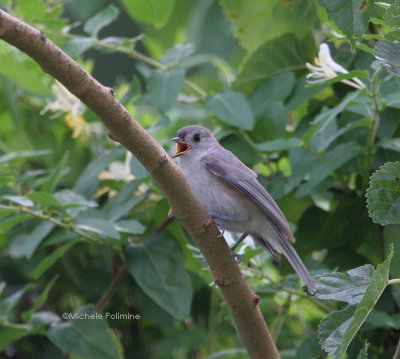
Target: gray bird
{"type": "Point", "coordinates": [232, 195]}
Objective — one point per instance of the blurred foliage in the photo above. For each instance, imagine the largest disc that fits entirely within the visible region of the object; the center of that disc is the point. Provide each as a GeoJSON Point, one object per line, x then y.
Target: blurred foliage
{"type": "Point", "coordinates": [76, 209]}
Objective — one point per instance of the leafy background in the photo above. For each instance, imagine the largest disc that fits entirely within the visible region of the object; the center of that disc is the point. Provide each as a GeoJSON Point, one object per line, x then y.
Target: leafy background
{"type": "Point", "coordinates": [76, 210]}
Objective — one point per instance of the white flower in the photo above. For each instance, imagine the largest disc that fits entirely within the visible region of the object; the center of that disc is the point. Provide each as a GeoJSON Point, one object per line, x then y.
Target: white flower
{"type": "Point", "coordinates": [326, 68]}
{"type": "Point", "coordinates": [66, 102]}
{"type": "Point", "coordinates": [118, 170]}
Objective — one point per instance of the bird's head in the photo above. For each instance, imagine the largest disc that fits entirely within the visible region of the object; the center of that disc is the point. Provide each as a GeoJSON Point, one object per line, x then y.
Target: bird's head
{"type": "Point", "coordinates": [193, 139]}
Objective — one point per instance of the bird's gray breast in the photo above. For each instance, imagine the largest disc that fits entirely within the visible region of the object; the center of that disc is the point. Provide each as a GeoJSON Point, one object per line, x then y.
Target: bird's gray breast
{"type": "Point", "coordinates": [216, 195]}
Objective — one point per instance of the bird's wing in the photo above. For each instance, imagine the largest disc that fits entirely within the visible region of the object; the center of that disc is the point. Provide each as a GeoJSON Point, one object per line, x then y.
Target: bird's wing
{"type": "Point", "coordinates": [227, 166]}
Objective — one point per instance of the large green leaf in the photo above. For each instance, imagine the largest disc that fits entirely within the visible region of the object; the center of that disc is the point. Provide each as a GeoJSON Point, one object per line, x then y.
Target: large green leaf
{"type": "Point", "coordinates": [25, 244]}
{"type": "Point", "coordinates": [45, 199]}
{"type": "Point", "coordinates": [388, 54]}
{"type": "Point", "coordinates": [258, 21]}
{"type": "Point", "coordinates": [8, 303]}
{"type": "Point", "coordinates": [164, 87]}
{"type": "Point", "coordinates": [392, 15]}
{"type": "Point", "coordinates": [155, 12]}
{"type": "Point", "coordinates": [338, 329]}
{"type": "Point", "coordinates": [49, 260]}
{"type": "Point", "coordinates": [157, 266]}
{"type": "Point", "coordinates": [85, 337]}
{"type": "Point", "coordinates": [325, 165]}
{"type": "Point", "coordinates": [383, 194]}
{"type": "Point", "coordinates": [101, 19]}
{"type": "Point", "coordinates": [345, 287]}
{"type": "Point", "coordinates": [279, 55]}
{"type": "Point", "coordinates": [232, 107]}
{"type": "Point", "coordinates": [97, 225]}
{"type": "Point", "coordinates": [351, 17]}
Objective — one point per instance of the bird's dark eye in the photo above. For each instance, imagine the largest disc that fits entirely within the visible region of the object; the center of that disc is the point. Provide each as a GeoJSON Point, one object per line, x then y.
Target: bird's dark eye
{"type": "Point", "coordinates": [196, 137]}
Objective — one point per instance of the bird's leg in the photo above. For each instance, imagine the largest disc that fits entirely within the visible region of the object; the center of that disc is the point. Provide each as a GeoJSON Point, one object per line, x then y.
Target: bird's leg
{"type": "Point", "coordinates": [218, 219]}
{"type": "Point", "coordinates": [237, 256]}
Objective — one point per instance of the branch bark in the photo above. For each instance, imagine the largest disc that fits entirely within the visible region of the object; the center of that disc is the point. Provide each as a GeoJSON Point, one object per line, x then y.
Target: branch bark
{"type": "Point", "coordinates": [242, 302]}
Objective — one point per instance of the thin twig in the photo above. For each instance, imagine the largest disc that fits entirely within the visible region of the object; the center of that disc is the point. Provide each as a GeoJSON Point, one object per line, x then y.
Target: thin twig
{"type": "Point", "coordinates": [111, 288]}
{"type": "Point", "coordinates": [45, 217]}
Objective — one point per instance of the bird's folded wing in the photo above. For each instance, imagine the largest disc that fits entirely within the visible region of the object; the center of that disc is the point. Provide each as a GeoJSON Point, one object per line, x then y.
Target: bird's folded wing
{"type": "Point", "coordinates": [227, 166]}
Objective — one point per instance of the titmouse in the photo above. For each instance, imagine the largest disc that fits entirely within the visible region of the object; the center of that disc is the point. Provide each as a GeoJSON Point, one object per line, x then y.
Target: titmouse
{"type": "Point", "coordinates": [232, 195]}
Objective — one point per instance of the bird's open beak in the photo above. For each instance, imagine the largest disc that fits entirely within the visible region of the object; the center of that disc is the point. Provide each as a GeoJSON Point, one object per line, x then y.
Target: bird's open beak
{"type": "Point", "coordinates": [181, 146]}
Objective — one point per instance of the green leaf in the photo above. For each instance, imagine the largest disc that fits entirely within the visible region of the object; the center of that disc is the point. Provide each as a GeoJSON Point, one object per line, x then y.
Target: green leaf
{"type": "Point", "coordinates": [392, 144]}
{"type": "Point", "coordinates": [325, 165]}
{"type": "Point", "coordinates": [280, 144]}
{"type": "Point", "coordinates": [154, 12]}
{"type": "Point", "coordinates": [258, 21]}
{"type": "Point", "coordinates": [25, 244]}
{"type": "Point", "coordinates": [12, 157]}
{"type": "Point", "coordinates": [44, 318]}
{"type": "Point", "coordinates": [392, 15]}
{"type": "Point", "coordinates": [22, 200]}
{"type": "Point", "coordinates": [232, 107]}
{"type": "Point", "coordinates": [332, 328]}
{"type": "Point", "coordinates": [164, 87]}
{"type": "Point", "coordinates": [101, 19]}
{"type": "Point", "coordinates": [45, 199]}
{"type": "Point", "coordinates": [78, 45]}
{"type": "Point", "coordinates": [350, 17]}
{"type": "Point", "coordinates": [279, 55]}
{"type": "Point", "coordinates": [130, 226]}
{"type": "Point", "coordinates": [7, 304]}
{"type": "Point", "coordinates": [378, 319]}
{"type": "Point", "coordinates": [87, 182]}
{"type": "Point", "coordinates": [338, 329]}
{"type": "Point", "coordinates": [10, 222]}
{"type": "Point", "coordinates": [345, 287]}
{"type": "Point", "coordinates": [137, 169]}
{"type": "Point", "coordinates": [49, 260]}
{"type": "Point", "coordinates": [125, 200]}
{"type": "Point", "coordinates": [378, 283]}
{"type": "Point", "coordinates": [175, 55]}
{"type": "Point", "coordinates": [363, 354]}
{"type": "Point", "coordinates": [11, 335]}
{"type": "Point", "coordinates": [383, 194]}
{"type": "Point", "coordinates": [388, 55]}
{"type": "Point", "coordinates": [69, 198]}
{"type": "Point", "coordinates": [97, 225]}
{"type": "Point", "coordinates": [25, 74]}
{"type": "Point", "coordinates": [26, 316]}
{"type": "Point", "coordinates": [86, 338]}
{"type": "Point", "coordinates": [276, 89]}
{"type": "Point", "coordinates": [157, 267]}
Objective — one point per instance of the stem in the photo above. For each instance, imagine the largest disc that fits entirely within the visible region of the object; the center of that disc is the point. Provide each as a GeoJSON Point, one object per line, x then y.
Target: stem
{"type": "Point", "coordinates": [57, 222]}
{"type": "Point", "coordinates": [111, 289]}
{"type": "Point", "coordinates": [282, 314]}
{"type": "Point", "coordinates": [375, 123]}
{"type": "Point", "coordinates": [393, 281]}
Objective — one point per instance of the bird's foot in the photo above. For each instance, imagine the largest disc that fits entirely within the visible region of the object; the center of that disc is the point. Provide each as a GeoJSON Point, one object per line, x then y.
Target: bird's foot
{"type": "Point", "coordinates": [218, 219]}
{"type": "Point", "coordinates": [237, 256]}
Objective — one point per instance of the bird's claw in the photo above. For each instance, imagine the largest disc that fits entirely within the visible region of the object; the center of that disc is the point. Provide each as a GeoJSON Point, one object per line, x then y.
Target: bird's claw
{"type": "Point", "coordinates": [237, 256]}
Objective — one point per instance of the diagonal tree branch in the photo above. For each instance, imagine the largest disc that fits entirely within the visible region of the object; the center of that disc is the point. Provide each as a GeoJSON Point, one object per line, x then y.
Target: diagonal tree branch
{"type": "Point", "coordinates": [242, 302]}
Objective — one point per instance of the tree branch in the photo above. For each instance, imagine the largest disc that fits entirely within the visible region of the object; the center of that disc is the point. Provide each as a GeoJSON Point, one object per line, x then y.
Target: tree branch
{"type": "Point", "coordinates": [242, 302]}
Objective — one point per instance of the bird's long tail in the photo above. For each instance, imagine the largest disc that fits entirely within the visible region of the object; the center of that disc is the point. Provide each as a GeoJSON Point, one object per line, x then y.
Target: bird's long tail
{"type": "Point", "coordinates": [293, 258]}
{"type": "Point", "coordinates": [297, 264]}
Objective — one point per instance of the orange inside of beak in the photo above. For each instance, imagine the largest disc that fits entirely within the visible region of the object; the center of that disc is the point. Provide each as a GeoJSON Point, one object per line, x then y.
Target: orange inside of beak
{"type": "Point", "coordinates": [181, 148]}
